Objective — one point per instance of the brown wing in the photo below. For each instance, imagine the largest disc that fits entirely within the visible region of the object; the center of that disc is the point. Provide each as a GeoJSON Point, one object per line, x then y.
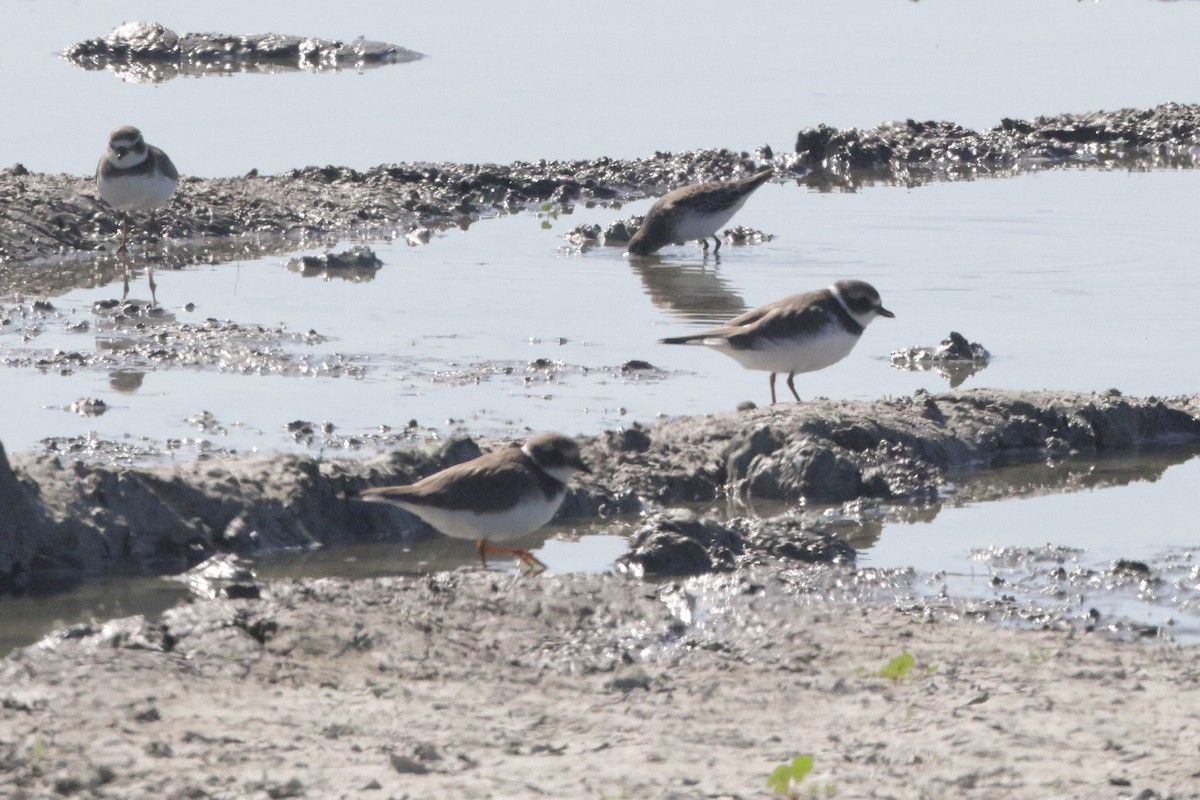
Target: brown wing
{"type": "Point", "coordinates": [492, 482]}
{"type": "Point", "coordinates": [165, 163]}
{"type": "Point", "coordinates": [783, 322]}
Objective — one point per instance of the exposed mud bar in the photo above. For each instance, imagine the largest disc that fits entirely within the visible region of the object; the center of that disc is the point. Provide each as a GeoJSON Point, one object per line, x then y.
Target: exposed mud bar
{"type": "Point", "coordinates": [147, 52]}
{"type": "Point", "coordinates": [470, 684]}
{"type": "Point", "coordinates": [61, 520]}
{"type": "Point", "coordinates": [50, 220]}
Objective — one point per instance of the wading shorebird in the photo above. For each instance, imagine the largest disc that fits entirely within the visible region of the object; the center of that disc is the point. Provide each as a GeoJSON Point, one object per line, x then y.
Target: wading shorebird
{"type": "Point", "coordinates": [134, 176]}
{"type": "Point", "coordinates": [693, 212]}
{"type": "Point", "coordinates": [499, 496]}
{"type": "Point", "coordinates": [802, 333]}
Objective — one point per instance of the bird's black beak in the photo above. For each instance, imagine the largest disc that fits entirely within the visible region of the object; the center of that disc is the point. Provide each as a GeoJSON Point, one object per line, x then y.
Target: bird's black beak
{"type": "Point", "coordinates": [883, 312]}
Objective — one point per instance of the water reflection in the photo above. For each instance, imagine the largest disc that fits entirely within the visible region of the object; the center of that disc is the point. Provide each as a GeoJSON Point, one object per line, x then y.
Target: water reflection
{"type": "Point", "coordinates": [126, 381]}
{"type": "Point", "coordinates": [695, 291]}
{"type": "Point", "coordinates": [27, 618]}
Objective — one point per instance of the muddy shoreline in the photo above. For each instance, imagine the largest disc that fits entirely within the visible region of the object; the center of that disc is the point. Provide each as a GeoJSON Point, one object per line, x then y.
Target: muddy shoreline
{"type": "Point", "coordinates": [724, 645]}
{"type": "Point", "coordinates": [55, 233]}
{"type": "Point", "coordinates": [64, 520]}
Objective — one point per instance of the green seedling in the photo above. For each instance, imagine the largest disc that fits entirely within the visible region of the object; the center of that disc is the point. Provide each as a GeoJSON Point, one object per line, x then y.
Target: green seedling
{"type": "Point", "coordinates": [786, 778]}
{"type": "Point", "coordinates": [898, 667]}
{"type": "Point", "coordinates": [40, 748]}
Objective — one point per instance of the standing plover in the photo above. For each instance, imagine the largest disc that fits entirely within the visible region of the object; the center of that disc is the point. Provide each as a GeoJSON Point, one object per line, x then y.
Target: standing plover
{"type": "Point", "coordinates": [693, 212]}
{"type": "Point", "coordinates": [134, 176]}
{"type": "Point", "coordinates": [499, 496]}
{"type": "Point", "coordinates": [801, 333]}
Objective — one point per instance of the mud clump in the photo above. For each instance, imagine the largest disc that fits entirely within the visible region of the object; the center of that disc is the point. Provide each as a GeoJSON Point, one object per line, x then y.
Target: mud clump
{"type": "Point", "coordinates": [147, 52]}
{"type": "Point", "coordinates": [680, 543]}
{"type": "Point", "coordinates": [954, 358]}
{"type": "Point", "coordinates": [618, 233]}
{"type": "Point", "coordinates": [357, 265]}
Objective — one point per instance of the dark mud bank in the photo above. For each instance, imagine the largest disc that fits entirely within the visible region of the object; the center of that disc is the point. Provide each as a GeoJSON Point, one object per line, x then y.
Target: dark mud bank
{"type": "Point", "coordinates": [61, 520]}
{"type": "Point", "coordinates": [49, 220]}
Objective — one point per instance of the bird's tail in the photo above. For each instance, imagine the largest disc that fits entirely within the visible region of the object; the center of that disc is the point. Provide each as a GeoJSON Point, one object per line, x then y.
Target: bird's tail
{"type": "Point", "coordinates": [759, 178]}
{"type": "Point", "coordinates": [694, 338]}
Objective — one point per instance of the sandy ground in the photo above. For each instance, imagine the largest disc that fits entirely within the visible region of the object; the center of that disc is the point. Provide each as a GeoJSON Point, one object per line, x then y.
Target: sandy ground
{"type": "Point", "coordinates": [472, 684]}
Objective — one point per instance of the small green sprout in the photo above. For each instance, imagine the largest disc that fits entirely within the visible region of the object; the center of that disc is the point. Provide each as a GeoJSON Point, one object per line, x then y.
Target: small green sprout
{"type": "Point", "coordinates": [898, 667]}
{"type": "Point", "coordinates": [786, 776]}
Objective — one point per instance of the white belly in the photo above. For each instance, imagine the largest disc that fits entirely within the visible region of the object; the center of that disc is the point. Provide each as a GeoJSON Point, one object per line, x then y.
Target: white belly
{"type": "Point", "coordinates": [792, 355]}
{"type": "Point", "coordinates": [137, 192]}
{"type": "Point", "coordinates": [517, 521]}
{"type": "Point", "coordinates": [698, 226]}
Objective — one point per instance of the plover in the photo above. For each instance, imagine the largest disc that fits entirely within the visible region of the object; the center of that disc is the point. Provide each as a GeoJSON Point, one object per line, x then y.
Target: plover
{"type": "Point", "coordinates": [499, 496]}
{"type": "Point", "coordinates": [801, 333]}
{"type": "Point", "coordinates": [693, 212]}
{"type": "Point", "coordinates": [134, 176]}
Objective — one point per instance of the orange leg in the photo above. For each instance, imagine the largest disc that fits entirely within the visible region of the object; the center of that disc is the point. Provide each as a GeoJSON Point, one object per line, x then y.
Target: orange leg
{"type": "Point", "coordinates": [484, 548]}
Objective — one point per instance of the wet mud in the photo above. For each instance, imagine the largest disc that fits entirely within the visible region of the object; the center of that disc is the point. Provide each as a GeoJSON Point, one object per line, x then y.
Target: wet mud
{"type": "Point", "coordinates": [472, 684]}
{"type": "Point", "coordinates": [56, 227]}
{"type": "Point", "coordinates": [915, 152]}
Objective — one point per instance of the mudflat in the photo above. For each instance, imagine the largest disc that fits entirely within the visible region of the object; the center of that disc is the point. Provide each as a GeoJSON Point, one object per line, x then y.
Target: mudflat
{"type": "Point", "coordinates": [469, 684]}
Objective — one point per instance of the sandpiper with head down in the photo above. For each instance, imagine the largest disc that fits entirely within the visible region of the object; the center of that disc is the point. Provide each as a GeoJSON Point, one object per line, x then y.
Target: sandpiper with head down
{"type": "Point", "coordinates": [134, 176]}
{"type": "Point", "coordinates": [498, 496]}
{"type": "Point", "coordinates": [801, 333]}
{"type": "Point", "coordinates": [694, 212]}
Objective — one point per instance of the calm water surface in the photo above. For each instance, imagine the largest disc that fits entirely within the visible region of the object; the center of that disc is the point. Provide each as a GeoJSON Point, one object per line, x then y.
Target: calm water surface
{"type": "Point", "coordinates": [1073, 279]}
{"type": "Point", "coordinates": [522, 80]}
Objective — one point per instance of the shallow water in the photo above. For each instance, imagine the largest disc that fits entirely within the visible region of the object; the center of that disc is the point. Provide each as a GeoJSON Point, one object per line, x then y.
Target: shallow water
{"type": "Point", "coordinates": [521, 80]}
{"type": "Point", "coordinates": [1073, 279]}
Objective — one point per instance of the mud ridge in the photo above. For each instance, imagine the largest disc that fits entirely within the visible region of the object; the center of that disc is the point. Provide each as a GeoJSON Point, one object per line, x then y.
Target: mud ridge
{"type": "Point", "coordinates": [66, 519]}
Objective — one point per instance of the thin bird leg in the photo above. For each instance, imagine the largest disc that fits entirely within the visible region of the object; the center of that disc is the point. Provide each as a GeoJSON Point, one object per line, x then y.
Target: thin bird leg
{"type": "Point", "coordinates": [524, 555]}
{"type": "Point", "coordinates": [717, 241]}
{"type": "Point", "coordinates": [704, 244]}
{"type": "Point", "coordinates": [792, 386]}
{"type": "Point", "coordinates": [122, 250]}
{"type": "Point", "coordinates": [154, 295]}
{"type": "Point", "coordinates": [123, 255]}
{"type": "Point", "coordinates": [159, 229]}
{"type": "Point", "coordinates": [772, 388]}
